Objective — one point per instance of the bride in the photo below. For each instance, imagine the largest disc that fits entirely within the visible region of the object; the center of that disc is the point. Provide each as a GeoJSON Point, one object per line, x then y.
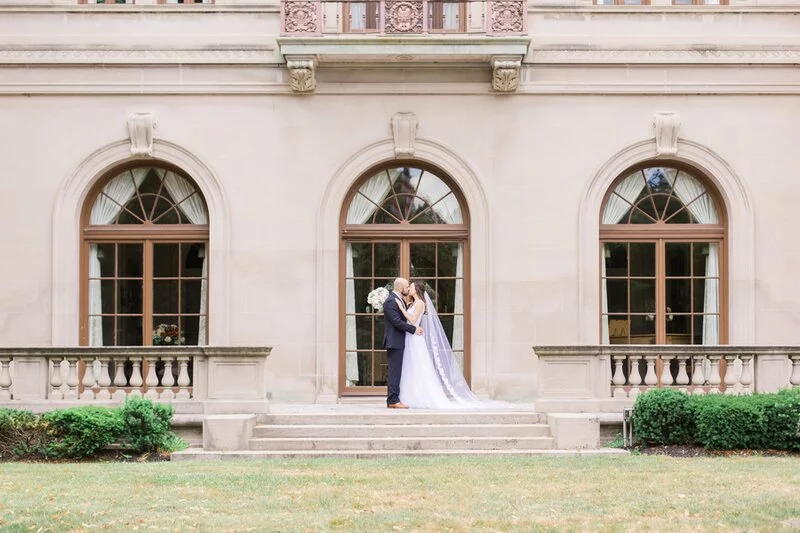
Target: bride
{"type": "Point", "coordinates": [431, 377]}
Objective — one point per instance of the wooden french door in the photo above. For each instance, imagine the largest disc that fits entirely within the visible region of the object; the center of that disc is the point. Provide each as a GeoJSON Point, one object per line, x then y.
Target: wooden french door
{"type": "Point", "coordinates": [441, 263]}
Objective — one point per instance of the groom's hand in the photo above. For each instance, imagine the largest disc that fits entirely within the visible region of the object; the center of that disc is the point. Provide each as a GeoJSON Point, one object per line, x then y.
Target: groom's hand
{"type": "Point", "coordinates": [419, 331]}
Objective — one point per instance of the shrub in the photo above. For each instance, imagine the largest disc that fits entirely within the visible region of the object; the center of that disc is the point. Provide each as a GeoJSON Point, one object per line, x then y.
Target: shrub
{"type": "Point", "coordinates": [782, 419]}
{"type": "Point", "coordinates": [663, 416]}
{"type": "Point", "coordinates": [82, 431]}
{"type": "Point", "coordinates": [22, 434]}
{"type": "Point", "coordinates": [730, 422]}
{"type": "Point", "coordinates": [147, 426]}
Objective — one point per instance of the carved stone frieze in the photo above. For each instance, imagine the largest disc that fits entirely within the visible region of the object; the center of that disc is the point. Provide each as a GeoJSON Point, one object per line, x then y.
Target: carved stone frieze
{"type": "Point", "coordinates": [301, 17]}
{"type": "Point", "coordinates": [404, 131]}
{"type": "Point", "coordinates": [165, 56]}
{"type": "Point", "coordinates": [505, 75]}
{"type": "Point", "coordinates": [507, 16]}
{"type": "Point", "coordinates": [140, 132]}
{"type": "Point", "coordinates": [666, 126]}
{"type": "Point", "coordinates": [762, 56]}
{"type": "Point", "coordinates": [403, 16]}
{"type": "Point", "coordinates": [302, 75]}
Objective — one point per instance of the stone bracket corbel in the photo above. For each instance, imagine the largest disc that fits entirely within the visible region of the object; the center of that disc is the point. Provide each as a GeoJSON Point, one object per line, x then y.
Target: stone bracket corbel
{"type": "Point", "coordinates": [505, 74]}
{"type": "Point", "coordinates": [404, 133]}
{"type": "Point", "coordinates": [140, 133]}
{"type": "Point", "coordinates": [302, 74]}
{"type": "Point", "coordinates": [666, 127]}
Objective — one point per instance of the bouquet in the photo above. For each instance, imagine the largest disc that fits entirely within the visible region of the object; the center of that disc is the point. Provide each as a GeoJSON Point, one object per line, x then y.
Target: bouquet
{"type": "Point", "coordinates": [377, 297]}
{"type": "Point", "coordinates": [168, 335]}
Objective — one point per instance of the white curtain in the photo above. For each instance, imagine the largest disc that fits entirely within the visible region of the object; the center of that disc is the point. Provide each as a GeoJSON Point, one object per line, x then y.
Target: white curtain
{"type": "Point", "coordinates": [358, 15]}
{"type": "Point", "coordinates": [450, 19]}
{"type": "Point", "coordinates": [109, 203]}
{"type": "Point", "coordinates": [192, 206]}
{"type": "Point", "coordinates": [361, 210]}
{"type": "Point", "coordinates": [617, 206]}
{"type": "Point", "coordinates": [692, 193]}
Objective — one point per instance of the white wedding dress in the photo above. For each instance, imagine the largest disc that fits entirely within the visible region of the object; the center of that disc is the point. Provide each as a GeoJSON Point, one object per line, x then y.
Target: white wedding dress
{"type": "Point", "coordinates": [431, 377]}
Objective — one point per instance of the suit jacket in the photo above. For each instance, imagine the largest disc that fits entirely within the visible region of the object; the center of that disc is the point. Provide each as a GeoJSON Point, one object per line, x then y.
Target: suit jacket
{"type": "Point", "coordinates": [396, 326]}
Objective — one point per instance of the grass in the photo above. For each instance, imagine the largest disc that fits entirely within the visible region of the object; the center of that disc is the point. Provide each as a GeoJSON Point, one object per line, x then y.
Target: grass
{"type": "Point", "coordinates": [640, 493]}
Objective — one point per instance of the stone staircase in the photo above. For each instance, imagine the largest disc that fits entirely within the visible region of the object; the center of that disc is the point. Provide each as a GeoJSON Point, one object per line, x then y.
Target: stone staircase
{"type": "Point", "coordinates": [361, 431]}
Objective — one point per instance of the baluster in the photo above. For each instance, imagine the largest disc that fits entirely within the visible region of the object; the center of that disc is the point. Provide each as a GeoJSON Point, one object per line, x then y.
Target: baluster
{"type": "Point", "coordinates": [666, 371]}
{"type": "Point", "coordinates": [619, 378]}
{"type": "Point", "coordinates": [650, 378]}
{"type": "Point", "coordinates": [72, 379]}
{"type": "Point", "coordinates": [55, 379]}
{"type": "Point", "coordinates": [730, 374]}
{"type": "Point", "coordinates": [635, 378]}
{"type": "Point", "coordinates": [119, 379]}
{"type": "Point", "coordinates": [5, 378]}
{"type": "Point", "coordinates": [683, 377]}
{"type": "Point", "coordinates": [747, 374]}
{"type": "Point", "coordinates": [167, 380]}
{"type": "Point", "coordinates": [152, 378]}
{"type": "Point", "coordinates": [714, 379]}
{"type": "Point", "coordinates": [88, 380]}
{"type": "Point", "coordinates": [794, 379]}
{"type": "Point", "coordinates": [136, 378]}
{"type": "Point", "coordinates": [104, 381]}
{"type": "Point", "coordinates": [183, 378]}
{"type": "Point", "coordinates": [698, 380]}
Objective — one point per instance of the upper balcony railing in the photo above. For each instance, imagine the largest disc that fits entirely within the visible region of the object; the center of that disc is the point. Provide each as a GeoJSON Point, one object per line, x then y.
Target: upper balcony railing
{"type": "Point", "coordinates": [403, 17]}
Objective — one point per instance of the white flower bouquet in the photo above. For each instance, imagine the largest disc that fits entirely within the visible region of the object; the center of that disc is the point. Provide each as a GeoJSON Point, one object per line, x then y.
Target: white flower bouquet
{"type": "Point", "coordinates": [167, 335]}
{"type": "Point", "coordinates": [377, 298]}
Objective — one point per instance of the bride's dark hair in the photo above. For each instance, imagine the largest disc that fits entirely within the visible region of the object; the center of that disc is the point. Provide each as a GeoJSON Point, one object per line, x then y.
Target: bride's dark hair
{"type": "Point", "coordinates": [419, 288]}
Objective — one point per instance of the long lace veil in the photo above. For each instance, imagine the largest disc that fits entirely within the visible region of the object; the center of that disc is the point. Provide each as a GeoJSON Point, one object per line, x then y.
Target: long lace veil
{"type": "Point", "coordinates": [447, 368]}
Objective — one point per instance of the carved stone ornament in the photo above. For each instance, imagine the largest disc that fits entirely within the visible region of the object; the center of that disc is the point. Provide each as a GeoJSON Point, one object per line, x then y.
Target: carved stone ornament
{"type": "Point", "coordinates": [507, 16]}
{"type": "Point", "coordinates": [404, 131]}
{"type": "Point", "coordinates": [301, 17]}
{"type": "Point", "coordinates": [140, 131]}
{"type": "Point", "coordinates": [505, 75]}
{"type": "Point", "coordinates": [403, 16]}
{"type": "Point", "coordinates": [666, 127]}
{"type": "Point", "coordinates": [302, 75]}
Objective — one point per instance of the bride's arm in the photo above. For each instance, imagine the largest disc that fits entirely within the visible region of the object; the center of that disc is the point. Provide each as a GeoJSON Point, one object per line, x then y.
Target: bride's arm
{"type": "Point", "coordinates": [419, 308]}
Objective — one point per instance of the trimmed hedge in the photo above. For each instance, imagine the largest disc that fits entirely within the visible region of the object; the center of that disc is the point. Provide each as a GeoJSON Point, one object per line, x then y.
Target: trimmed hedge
{"type": "Point", "coordinates": [80, 432]}
{"type": "Point", "coordinates": [719, 421]}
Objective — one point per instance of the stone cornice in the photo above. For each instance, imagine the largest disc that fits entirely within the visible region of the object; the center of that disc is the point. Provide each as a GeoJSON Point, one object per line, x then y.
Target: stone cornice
{"type": "Point", "coordinates": [143, 56]}
{"type": "Point", "coordinates": [662, 56]}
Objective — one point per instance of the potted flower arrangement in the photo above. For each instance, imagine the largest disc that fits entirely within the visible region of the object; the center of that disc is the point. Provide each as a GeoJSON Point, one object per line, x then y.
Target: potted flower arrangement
{"type": "Point", "coordinates": [168, 335]}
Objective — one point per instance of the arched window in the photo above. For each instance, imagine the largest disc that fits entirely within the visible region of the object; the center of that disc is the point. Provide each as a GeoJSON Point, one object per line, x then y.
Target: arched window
{"type": "Point", "coordinates": [662, 255]}
{"type": "Point", "coordinates": [407, 221]}
{"type": "Point", "coordinates": [145, 257]}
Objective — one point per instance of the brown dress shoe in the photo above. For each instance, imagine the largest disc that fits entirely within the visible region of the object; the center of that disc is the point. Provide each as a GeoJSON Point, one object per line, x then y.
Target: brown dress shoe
{"type": "Point", "coordinates": [398, 405]}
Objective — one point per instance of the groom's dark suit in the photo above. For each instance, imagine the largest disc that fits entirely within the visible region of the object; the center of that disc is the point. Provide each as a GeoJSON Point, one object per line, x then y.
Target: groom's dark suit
{"type": "Point", "coordinates": [394, 340]}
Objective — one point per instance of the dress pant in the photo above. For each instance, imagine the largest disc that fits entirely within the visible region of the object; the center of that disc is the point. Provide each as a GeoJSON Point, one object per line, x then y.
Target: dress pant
{"type": "Point", "coordinates": [395, 358]}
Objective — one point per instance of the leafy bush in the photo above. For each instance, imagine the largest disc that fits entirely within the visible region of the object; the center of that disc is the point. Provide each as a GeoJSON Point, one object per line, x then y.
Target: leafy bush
{"type": "Point", "coordinates": [22, 434]}
{"type": "Point", "coordinates": [147, 426]}
{"type": "Point", "coordinates": [782, 419]}
{"type": "Point", "coordinates": [82, 431]}
{"type": "Point", "coordinates": [663, 416]}
{"type": "Point", "coordinates": [730, 422]}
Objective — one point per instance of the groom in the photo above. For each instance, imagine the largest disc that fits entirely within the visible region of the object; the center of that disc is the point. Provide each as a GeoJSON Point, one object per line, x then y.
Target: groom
{"type": "Point", "coordinates": [394, 340]}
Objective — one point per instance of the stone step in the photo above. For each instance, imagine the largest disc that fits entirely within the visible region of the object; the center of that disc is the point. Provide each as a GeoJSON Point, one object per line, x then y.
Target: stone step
{"type": "Point", "coordinates": [199, 455]}
{"type": "Point", "coordinates": [402, 443]}
{"type": "Point", "coordinates": [403, 417]}
{"type": "Point", "coordinates": [402, 430]}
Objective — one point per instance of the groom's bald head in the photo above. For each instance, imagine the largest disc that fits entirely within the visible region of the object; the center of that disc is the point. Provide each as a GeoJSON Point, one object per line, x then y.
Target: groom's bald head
{"type": "Point", "coordinates": [400, 284]}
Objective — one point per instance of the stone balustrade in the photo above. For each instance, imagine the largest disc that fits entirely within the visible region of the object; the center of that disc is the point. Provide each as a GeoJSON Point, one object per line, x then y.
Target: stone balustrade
{"type": "Point", "coordinates": [403, 17]}
{"type": "Point", "coordinates": [200, 379]}
{"type": "Point", "coordinates": [607, 378]}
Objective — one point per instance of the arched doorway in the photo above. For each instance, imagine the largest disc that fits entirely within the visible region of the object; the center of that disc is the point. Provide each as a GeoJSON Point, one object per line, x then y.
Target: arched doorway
{"type": "Point", "coordinates": [404, 220]}
{"type": "Point", "coordinates": [144, 260]}
{"type": "Point", "coordinates": [663, 259]}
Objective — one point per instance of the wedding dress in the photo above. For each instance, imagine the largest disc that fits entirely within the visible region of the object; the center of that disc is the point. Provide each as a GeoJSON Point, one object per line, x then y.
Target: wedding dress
{"type": "Point", "coordinates": [431, 377]}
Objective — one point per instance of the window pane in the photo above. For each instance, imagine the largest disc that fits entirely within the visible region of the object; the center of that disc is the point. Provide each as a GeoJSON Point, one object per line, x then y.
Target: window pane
{"type": "Point", "coordinates": [447, 325]}
{"type": "Point", "coordinates": [380, 368]}
{"type": "Point", "coordinates": [706, 330]}
{"type": "Point", "coordinates": [423, 260]}
{"type": "Point", "coordinates": [165, 260]}
{"type": "Point", "coordinates": [167, 331]}
{"type": "Point", "coordinates": [701, 253]}
{"type": "Point", "coordinates": [446, 296]}
{"type": "Point", "coordinates": [190, 328]}
{"type": "Point", "coordinates": [362, 288]}
{"type": "Point", "coordinates": [190, 295]}
{"type": "Point", "coordinates": [618, 329]}
{"type": "Point", "coordinates": [131, 259]}
{"type": "Point", "coordinates": [362, 259]}
{"type": "Point", "coordinates": [617, 291]}
{"type": "Point", "coordinates": [448, 256]}
{"type": "Point", "coordinates": [104, 256]}
{"type": "Point", "coordinates": [706, 295]}
{"type": "Point", "coordinates": [379, 331]}
{"type": "Point", "coordinates": [643, 259]}
{"type": "Point", "coordinates": [387, 260]}
{"type": "Point", "coordinates": [129, 331]}
{"type": "Point", "coordinates": [106, 296]}
{"type": "Point", "coordinates": [643, 296]}
{"type": "Point", "coordinates": [678, 295]}
{"type": "Point", "coordinates": [165, 296]}
{"type": "Point", "coordinates": [678, 329]}
{"type": "Point", "coordinates": [129, 296]}
{"type": "Point", "coordinates": [678, 257]}
{"type": "Point", "coordinates": [193, 255]}
{"type": "Point", "coordinates": [364, 361]}
{"type": "Point", "coordinates": [616, 258]}
{"type": "Point", "coordinates": [364, 332]}
{"type": "Point", "coordinates": [643, 329]}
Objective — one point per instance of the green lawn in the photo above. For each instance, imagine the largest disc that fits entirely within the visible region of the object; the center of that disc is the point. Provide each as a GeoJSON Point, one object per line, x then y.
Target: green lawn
{"type": "Point", "coordinates": [637, 493]}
